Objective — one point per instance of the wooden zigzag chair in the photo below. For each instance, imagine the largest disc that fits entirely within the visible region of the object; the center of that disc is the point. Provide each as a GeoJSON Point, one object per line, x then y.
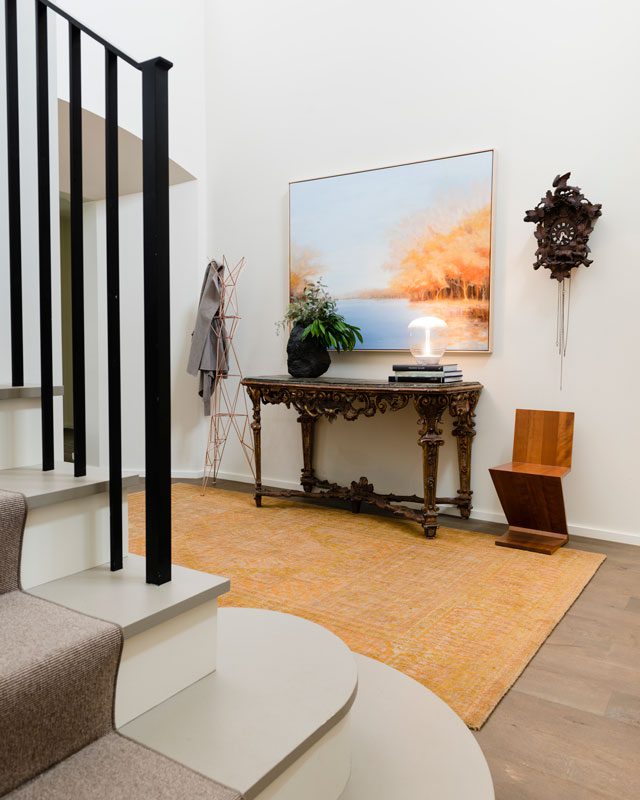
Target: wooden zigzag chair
{"type": "Point", "coordinates": [530, 487]}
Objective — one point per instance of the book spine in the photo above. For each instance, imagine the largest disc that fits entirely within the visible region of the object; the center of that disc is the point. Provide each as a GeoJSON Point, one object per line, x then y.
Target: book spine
{"type": "Point", "coordinates": [426, 375]}
{"type": "Point", "coordinates": [425, 368]}
{"type": "Point", "coordinates": [409, 379]}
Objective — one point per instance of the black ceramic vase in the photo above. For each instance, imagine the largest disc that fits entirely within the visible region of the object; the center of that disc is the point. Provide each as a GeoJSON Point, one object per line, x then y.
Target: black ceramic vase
{"type": "Point", "coordinates": [306, 358]}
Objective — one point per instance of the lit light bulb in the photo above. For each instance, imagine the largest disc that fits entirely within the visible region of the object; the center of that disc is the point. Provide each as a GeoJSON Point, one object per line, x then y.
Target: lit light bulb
{"type": "Point", "coordinates": [427, 339]}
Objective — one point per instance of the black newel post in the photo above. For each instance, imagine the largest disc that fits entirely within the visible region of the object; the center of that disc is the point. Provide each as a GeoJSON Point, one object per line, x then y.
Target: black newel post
{"type": "Point", "coordinates": [155, 183]}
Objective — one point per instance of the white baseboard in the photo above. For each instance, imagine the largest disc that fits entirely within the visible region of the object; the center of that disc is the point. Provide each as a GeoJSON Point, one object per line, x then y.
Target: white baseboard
{"type": "Point", "coordinates": [242, 477]}
{"type": "Point", "coordinates": [623, 537]}
{"type": "Point", "coordinates": [187, 473]}
{"type": "Point", "coordinates": [175, 473]}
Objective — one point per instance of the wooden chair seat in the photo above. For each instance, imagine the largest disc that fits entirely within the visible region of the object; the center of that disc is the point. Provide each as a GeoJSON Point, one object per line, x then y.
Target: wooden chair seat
{"type": "Point", "coordinates": [533, 469]}
{"type": "Point", "coordinates": [530, 486]}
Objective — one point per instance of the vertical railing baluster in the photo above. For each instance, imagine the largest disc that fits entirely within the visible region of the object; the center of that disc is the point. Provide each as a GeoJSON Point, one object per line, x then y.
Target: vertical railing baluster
{"type": "Point", "coordinates": [44, 235]}
{"type": "Point", "coordinates": [77, 252]}
{"type": "Point", "coordinates": [13, 185]}
{"type": "Point", "coordinates": [113, 307]}
{"type": "Point", "coordinates": [157, 346]}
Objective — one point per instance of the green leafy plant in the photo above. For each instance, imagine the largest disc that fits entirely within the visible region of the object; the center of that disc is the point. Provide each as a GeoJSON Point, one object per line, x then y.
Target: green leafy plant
{"type": "Point", "coordinates": [317, 311]}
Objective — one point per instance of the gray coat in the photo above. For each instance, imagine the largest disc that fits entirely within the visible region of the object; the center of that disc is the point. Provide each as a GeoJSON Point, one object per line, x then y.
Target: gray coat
{"type": "Point", "coordinates": [209, 355]}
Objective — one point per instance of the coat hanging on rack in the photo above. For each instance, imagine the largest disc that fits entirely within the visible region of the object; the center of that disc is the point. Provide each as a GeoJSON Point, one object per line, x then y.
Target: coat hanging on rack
{"type": "Point", "coordinates": [209, 353]}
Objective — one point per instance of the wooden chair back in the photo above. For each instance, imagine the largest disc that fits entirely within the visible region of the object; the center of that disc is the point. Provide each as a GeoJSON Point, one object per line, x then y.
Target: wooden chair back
{"type": "Point", "coordinates": [543, 437]}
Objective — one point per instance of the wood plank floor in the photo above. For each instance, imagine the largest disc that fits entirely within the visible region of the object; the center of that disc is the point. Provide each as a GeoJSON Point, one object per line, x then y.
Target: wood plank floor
{"type": "Point", "coordinates": [570, 726]}
{"type": "Point", "coordinates": [569, 729]}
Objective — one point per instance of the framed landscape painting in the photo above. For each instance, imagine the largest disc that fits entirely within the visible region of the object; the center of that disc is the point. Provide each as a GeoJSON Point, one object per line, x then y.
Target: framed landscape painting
{"type": "Point", "coordinates": [397, 243]}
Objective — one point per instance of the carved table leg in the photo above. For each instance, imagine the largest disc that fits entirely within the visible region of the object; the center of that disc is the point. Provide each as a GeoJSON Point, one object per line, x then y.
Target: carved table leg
{"type": "Point", "coordinates": [256, 426]}
{"type": "Point", "coordinates": [430, 409]}
{"type": "Point", "coordinates": [307, 426]}
{"type": "Point", "coordinates": [462, 408]}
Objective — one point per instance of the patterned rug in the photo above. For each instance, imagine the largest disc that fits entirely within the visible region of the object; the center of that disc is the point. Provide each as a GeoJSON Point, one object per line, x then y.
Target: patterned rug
{"type": "Point", "coordinates": [456, 613]}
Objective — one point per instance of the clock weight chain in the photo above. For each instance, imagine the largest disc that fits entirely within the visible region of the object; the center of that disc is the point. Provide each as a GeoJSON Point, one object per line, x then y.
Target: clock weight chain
{"type": "Point", "coordinates": [562, 321]}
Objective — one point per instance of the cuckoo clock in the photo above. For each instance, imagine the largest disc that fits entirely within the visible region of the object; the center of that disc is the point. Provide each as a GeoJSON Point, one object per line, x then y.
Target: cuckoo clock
{"type": "Point", "coordinates": [564, 220]}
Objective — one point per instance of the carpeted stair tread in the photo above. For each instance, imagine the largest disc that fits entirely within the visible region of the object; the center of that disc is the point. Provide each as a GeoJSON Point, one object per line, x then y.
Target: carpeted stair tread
{"type": "Point", "coordinates": [57, 671]}
{"type": "Point", "coordinates": [13, 513]}
{"type": "Point", "coordinates": [114, 768]}
{"type": "Point", "coordinates": [57, 668]}
{"type": "Point", "coordinates": [35, 630]}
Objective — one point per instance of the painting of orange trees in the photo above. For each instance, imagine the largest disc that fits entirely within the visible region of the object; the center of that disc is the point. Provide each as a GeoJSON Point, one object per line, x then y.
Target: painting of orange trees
{"type": "Point", "coordinates": [397, 243]}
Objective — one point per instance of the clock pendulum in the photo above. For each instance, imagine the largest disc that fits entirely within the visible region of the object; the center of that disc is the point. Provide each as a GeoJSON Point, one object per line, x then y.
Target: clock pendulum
{"type": "Point", "coordinates": [564, 220]}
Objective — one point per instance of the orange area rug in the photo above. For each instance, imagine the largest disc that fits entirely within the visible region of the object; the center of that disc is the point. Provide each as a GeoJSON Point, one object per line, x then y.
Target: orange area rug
{"type": "Point", "coordinates": [456, 613]}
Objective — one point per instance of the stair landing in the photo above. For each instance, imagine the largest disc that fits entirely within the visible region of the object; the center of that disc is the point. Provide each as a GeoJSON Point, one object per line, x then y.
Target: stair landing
{"type": "Point", "coordinates": [58, 485]}
{"type": "Point", "coordinates": [408, 743]}
{"type": "Point", "coordinates": [25, 392]}
{"type": "Point", "coordinates": [123, 597]}
{"type": "Point", "coordinates": [272, 717]}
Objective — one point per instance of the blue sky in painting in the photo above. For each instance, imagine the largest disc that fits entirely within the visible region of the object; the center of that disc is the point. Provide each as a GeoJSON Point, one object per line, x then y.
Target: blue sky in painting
{"type": "Point", "coordinates": [350, 220]}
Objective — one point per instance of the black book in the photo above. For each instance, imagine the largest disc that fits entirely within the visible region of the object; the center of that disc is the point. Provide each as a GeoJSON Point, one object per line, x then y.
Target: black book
{"type": "Point", "coordinates": [429, 379]}
{"type": "Point", "coordinates": [423, 374]}
{"type": "Point", "coordinates": [425, 367]}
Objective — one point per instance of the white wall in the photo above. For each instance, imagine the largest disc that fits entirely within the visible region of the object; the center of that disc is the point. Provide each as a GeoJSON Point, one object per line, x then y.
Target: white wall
{"type": "Point", "coordinates": [29, 216]}
{"type": "Point", "coordinates": [29, 205]}
{"type": "Point", "coordinates": [145, 29]}
{"type": "Point", "coordinates": [188, 424]}
{"type": "Point", "coordinates": [299, 90]}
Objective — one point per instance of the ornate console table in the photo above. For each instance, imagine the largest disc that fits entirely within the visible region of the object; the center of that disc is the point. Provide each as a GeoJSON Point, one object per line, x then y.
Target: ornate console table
{"type": "Point", "coordinates": [313, 398]}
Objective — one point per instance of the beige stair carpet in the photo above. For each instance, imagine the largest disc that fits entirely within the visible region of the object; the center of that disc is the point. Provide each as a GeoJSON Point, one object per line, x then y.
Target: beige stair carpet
{"type": "Point", "coordinates": [456, 613]}
{"type": "Point", "coordinates": [116, 768]}
{"type": "Point", "coordinates": [58, 671]}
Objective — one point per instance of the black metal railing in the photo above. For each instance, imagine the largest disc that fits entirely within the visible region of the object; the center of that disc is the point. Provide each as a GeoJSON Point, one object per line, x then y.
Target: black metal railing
{"type": "Point", "coordinates": [44, 233]}
{"type": "Point", "coordinates": [155, 157]}
{"type": "Point", "coordinates": [13, 186]}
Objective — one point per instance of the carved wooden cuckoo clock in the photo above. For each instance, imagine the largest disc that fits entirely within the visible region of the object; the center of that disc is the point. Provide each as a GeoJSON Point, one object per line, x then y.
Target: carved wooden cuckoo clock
{"type": "Point", "coordinates": [564, 221]}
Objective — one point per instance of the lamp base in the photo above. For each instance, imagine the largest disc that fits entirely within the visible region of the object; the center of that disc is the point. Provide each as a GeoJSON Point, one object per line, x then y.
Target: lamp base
{"type": "Point", "coordinates": [427, 360]}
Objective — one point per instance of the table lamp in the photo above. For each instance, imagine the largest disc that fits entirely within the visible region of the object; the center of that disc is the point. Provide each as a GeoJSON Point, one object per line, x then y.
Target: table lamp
{"type": "Point", "coordinates": [427, 339]}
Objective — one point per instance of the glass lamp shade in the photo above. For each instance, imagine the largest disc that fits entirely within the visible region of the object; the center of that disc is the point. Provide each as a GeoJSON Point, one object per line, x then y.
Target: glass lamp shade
{"type": "Point", "coordinates": [427, 339]}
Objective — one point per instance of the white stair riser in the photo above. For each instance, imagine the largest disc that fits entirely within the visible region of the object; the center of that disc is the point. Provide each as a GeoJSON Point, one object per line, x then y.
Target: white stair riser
{"type": "Point", "coordinates": [20, 431]}
{"type": "Point", "coordinates": [161, 661]}
{"type": "Point", "coordinates": [321, 773]}
{"type": "Point", "coordinates": [68, 537]}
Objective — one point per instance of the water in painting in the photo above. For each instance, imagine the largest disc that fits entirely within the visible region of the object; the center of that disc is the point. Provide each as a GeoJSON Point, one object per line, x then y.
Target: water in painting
{"type": "Point", "coordinates": [398, 243]}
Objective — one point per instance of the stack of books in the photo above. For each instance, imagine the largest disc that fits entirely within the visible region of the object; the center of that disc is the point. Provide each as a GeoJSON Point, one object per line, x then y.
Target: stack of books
{"type": "Point", "coordinates": [426, 373]}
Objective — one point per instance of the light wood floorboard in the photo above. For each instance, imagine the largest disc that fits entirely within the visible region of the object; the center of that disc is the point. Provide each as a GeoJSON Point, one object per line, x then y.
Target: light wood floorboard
{"type": "Point", "coordinates": [569, 729]}
{"type": "Point", "coordinates": [570, 726]}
